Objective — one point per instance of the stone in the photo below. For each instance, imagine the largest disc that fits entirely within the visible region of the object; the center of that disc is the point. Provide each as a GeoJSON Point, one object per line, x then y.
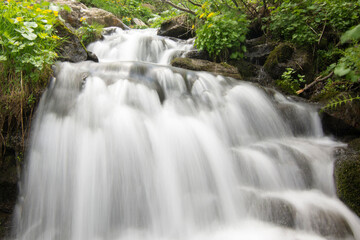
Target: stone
{"type": "Point", "coordinates": [205, 65]}
{"type": "Point", "coordinates": [92, 15]}
{"type": "Point", "coordinates": [347, 175]}
{"type": "Point", "coordinates": [275, 63]}
{"type": "Point", "coordinates": [177, 27]}
{"type": "Point", "coordinates": [342, 120]}
{"type": "Point", "coordinates": [71, 49]}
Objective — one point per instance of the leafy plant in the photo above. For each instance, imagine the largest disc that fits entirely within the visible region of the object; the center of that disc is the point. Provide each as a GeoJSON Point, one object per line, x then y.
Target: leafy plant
{"type": "Point", "coordinates": [89, 33]}
{"type": "Point", "coordinates": [223, 35]}
{"type": "Point", "coordinates": [304, 22]}
{"type": "Point", "coordinates": [289, 83]}
{"type": "Point", "coordinates": [27, 38]}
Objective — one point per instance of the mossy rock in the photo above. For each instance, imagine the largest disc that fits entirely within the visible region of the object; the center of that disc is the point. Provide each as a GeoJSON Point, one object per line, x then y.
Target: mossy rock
{"type": "Point", "coordinates": [223, 69]}
{"type": "Point", "coordinates": [347, 176]}
{"type": "Point", "coordinates": [275, 62]}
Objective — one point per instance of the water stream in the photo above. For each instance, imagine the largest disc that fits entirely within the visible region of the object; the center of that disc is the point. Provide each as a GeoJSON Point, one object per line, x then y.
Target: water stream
{"type": "Point", "coordinates": [130, 148]}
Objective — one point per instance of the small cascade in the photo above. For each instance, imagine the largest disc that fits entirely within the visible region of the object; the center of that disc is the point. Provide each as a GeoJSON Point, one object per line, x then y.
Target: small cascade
{"type": "Point", "coordinates": [131, 148]}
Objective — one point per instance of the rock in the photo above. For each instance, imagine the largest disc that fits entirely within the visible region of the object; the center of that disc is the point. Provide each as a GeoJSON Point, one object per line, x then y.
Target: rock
{"type": "Point", "coordinates": [71, 49]}
{"type": "Point", "coordinates": [347, 177]}
{"type": "Point", "coordinates": [204, 65]}
{"type": "Point", "coordinates": [139, 23]}
{"type": "Point", "coordinates": [258, 53]}
{"type": "Point", "coordinates": [330, 224]}
{"type": "Point", "coordinates": [92, 15]}
{"type": "Point", "coordinates": [343, 120]}
{"type": "Point", "coordinates": [177, 27]}
{"type": "Point", "coordinates": [196, 54]}
{"type": "Point", "coordinates": [275, 63]}
{"type": "Point", "coordinates": [286, 56]}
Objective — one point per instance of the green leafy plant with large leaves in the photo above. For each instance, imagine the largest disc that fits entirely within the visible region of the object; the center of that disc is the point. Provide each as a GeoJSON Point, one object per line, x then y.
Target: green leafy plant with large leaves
{"type": "Point", "coordinates": [27, 39]}
{"type": "Point", "coordinates": [223, 35]}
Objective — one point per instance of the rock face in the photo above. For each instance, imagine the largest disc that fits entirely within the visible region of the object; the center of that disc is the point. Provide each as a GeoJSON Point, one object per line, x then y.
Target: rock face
{"type": "Point", "coordinates": [72, 49]}
{"type": "Point", "coordinates": [343, 120]}
{"type": "Point", "coordinates": [92, 15]}
{"type": "Point", "coordinates": [286, 56]}
{"type": "Point", "coordinates": [205, 65]}
{"type": "Point", "coordinates": [347, 177]}
{"type": "Point", "coordinates": [177, 27]}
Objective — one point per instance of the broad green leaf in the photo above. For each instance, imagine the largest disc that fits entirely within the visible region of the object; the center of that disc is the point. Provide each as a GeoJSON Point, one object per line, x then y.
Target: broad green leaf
{"type": "Point", "coordinates": [341, 70]}
{"type": "Point", "coordinates": [29, 36]}
{"type": "Point", "coordinates": [3, 58]}
{"type": "Point", "coordinates": [30, 24]}
{"type": "Point", "coordinates": [352, 34]}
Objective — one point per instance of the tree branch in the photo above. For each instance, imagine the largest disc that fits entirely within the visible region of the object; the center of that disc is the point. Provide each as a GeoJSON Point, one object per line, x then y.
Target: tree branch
{"type": "Point", "coordinates": [318, 79]}
{"type": "Point", "coordinates": [179, 8]}
{"type": "Point", "coordinates": [195, 4]}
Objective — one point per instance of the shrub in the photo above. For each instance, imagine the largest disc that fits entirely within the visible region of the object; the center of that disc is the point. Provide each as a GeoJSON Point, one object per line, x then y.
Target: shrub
{"type": "Point", "coordinates": [223, 36]}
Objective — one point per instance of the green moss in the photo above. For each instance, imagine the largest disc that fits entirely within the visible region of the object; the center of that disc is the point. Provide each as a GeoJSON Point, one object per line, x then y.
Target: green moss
{"type": "Point", "coordinates": [280, 54]}
{"type": "Point", "coordinates": [347, 177]}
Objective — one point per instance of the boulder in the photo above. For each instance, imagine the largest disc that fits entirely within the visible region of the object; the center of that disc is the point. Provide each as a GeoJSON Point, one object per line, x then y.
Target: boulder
{"type": "Point", "coordinates": [177, 27]}
{"type": "Point", "coordinates": [347, 177]}
{"type": "Point", "coordinates": [342, 120]}
{"type": "Point", "coordinates": [92, 15]}
{"type": "Point", "coordinates": [139, 23]}
{"type": "Point", "coordinates": [286, 56]}
{"type": "Point", "coordinates": [205, 65]}
{"type": "Point", "coordinates": [275, 63]}
{"type": "Point", "coordinates": [71, 49]}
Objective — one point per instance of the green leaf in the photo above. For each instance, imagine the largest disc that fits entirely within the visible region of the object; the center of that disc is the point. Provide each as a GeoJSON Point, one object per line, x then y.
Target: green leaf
{"type": "Point", "coordinates": [30, 24]}
{"type": "Point", "coordinates": [3, 58]}
{"type": "Point", "coordinates": [341, 70]}
{"type": "Point", "coordinates": [352, 34]}
{"type": "Point", "coordinates": [29, 36]}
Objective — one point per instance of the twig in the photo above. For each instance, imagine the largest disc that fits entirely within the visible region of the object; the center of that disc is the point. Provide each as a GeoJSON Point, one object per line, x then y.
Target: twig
{"type": "Point", "coordinates": [318, 79]}
{"type": "Point", "coordinates": [179, 8]}
{"type": "Point", "coordinates": [322, 33]}
{"type": "Point", "coordinates": [196, 4]}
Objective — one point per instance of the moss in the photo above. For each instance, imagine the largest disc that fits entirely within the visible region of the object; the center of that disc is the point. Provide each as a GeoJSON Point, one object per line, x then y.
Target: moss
{"type": "Point", "coordinates": [347, 177]}
{"type": "Point", "coordinates": [280, 54]}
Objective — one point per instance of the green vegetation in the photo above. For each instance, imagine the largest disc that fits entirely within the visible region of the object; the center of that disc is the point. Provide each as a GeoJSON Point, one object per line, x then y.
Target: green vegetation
{"type": "Point", "coordinates": [124, 9]}
{"type": "Point", "coordinates": [222, 35]}
{"type": "Point", "coordinates": [290, 82]}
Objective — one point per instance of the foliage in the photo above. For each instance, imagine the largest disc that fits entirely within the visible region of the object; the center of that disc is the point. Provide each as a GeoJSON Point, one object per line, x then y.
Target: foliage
{"type": "Point", "coordinates": [124, 9]}
{"type": "Point", "coordinates": [289, 83]}
{"type": "Point", "coordinates": [338, 101]}
{"type": "Point", "coordinates": [89, 33]}
{"type": "Point", "coordinates": [223, 35]}
{"type": "Point", "coordinates": [27, 39]}
{"type": "Point", "coordinates": [304, 22]}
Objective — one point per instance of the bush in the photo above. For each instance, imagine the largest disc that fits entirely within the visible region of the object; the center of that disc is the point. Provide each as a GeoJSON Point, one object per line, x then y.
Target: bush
{"type": "Point", "coordinates": [303, 22]}
{"type": "Point", "coordinates": [223, 36]}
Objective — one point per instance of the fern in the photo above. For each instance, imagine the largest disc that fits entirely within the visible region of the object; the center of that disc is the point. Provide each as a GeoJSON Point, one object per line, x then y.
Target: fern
{"type": "Point", "coordinates": [338, 101]}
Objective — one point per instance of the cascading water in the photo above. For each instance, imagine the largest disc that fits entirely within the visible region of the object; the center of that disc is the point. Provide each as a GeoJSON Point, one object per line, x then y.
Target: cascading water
{"type": "Point", "coordinates": [128, 149]}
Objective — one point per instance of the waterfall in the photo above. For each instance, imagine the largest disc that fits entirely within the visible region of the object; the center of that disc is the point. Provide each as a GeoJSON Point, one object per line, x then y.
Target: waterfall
{"type": "Point", "coordinates": [131, 148]}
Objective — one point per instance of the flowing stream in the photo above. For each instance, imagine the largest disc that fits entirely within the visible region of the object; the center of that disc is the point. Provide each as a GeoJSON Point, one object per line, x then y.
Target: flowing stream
{"type": "Point", "coordinates": [132, 149]}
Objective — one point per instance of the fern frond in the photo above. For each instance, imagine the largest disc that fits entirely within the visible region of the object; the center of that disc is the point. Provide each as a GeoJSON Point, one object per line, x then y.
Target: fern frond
{"type": "Point", "coordinates": [338, 101]}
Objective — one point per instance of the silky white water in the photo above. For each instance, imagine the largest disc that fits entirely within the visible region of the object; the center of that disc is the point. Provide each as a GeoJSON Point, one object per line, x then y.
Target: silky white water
{"type": "Point", "coordinates": [132, 149]}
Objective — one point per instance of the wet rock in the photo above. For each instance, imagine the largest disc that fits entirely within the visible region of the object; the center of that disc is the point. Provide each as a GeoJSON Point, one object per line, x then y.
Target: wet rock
{"type": "Point", "coordinates": [330, 224]}
{"type": "Point", "coordinates": [139, 23]}
{"type": "Point", "coordinates": [274, 210]}
{"type": "Point", "coordinates": [275, 63]}
{"type": "Point", "coordinates": [196, 54]}
{"type": "Point", "coordinates": [286, 56]}
{"type": "Point", "coordinates": [342, 120]}
{"type": "Point", "coordinates": [258, 53]}
{"type": "Point", "coordinates": [92, 15]}
{"type": "Point", "coordinates": [71, 48]}
{"type": "Point", "coordinates": [347, 177]}
{"type": "Point", "coordinates": [204, 65]}
{"type": "Point", "coordinates": [177, 27]}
